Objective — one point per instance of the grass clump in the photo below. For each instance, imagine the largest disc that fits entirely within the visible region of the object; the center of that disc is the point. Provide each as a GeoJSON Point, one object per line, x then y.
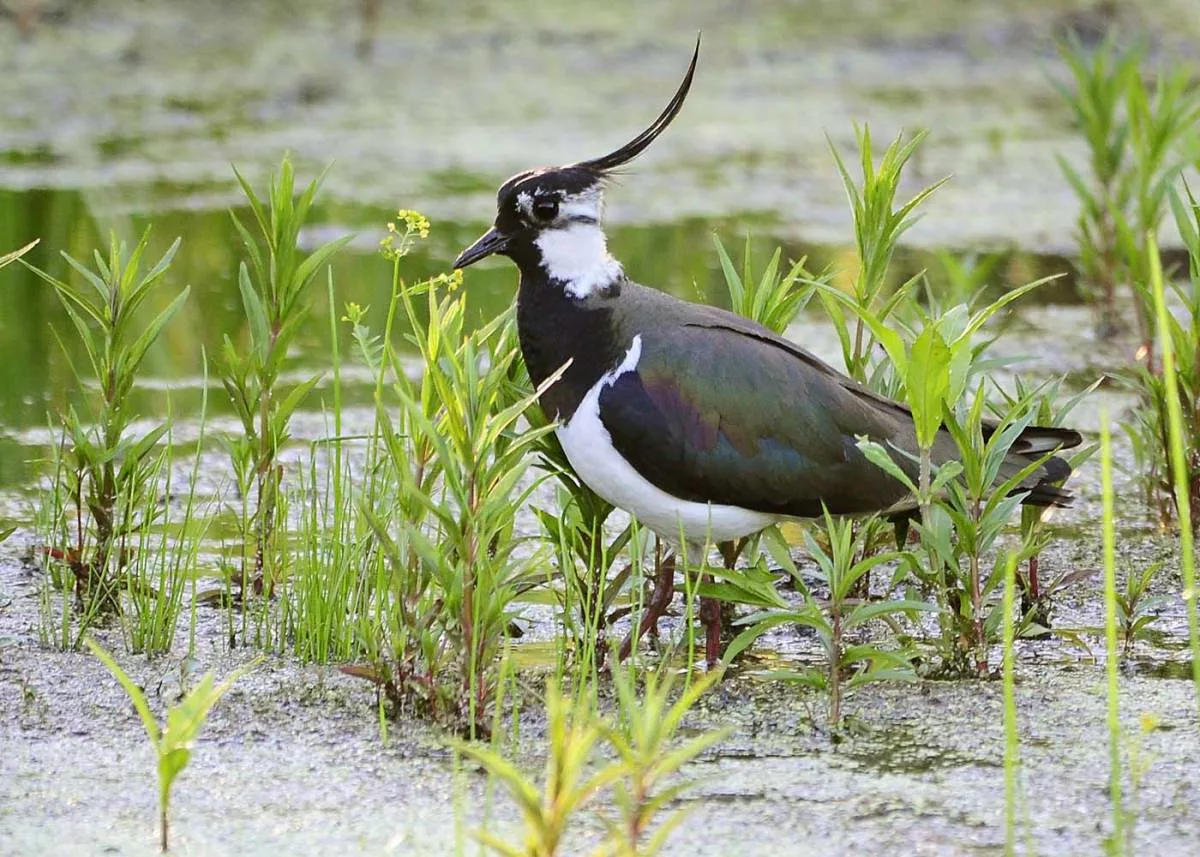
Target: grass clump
{"type": "Point", "coordinates": [965, 492]}
{"type": "Point", "coordinates": [104, 496]}
{"type": "Point", "coordinates": [1140, 136]}
{"type": "Point", "coordinates": [447, 478]}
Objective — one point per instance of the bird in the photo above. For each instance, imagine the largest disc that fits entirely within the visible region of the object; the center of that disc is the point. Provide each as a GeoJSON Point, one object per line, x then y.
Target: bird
{"type": "Point", "coordinates": [701, 424]}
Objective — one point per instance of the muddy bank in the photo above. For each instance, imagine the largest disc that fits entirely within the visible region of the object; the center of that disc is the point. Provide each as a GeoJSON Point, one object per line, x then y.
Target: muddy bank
{"type": "Point", "coordinates": [293, 760]}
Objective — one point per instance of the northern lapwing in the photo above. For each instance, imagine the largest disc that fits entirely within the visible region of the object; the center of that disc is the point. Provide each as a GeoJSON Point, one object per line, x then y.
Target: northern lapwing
{"type": "Point", "coordinates": [701, 424]}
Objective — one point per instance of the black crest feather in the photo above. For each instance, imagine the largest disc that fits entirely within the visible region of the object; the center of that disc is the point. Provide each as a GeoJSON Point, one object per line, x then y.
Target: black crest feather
{"type": "Point", "coordinates": [638, 144]}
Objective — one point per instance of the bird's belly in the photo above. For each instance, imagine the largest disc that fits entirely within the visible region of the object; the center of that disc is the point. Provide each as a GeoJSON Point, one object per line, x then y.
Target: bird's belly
{"type": "Point", "coordinates": [602, 468]}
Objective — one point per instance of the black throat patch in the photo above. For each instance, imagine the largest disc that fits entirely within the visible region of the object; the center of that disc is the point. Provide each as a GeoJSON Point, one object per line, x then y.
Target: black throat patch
{"type": "Point", "coordinates": [554, 328]}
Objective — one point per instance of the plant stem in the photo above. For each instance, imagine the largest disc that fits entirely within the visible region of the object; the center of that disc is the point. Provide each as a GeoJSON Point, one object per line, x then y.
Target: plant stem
{"type": "Point", "coordinates": [1012, 758]}
{"type": "Point", "coordinates": [1178, 461]}
{"type": "Point", "coordinates": [1110, 633]}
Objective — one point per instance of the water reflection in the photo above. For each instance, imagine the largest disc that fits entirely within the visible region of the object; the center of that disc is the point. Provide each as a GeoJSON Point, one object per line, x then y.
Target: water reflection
{"type": "Point", "coordinates": [41, 354]}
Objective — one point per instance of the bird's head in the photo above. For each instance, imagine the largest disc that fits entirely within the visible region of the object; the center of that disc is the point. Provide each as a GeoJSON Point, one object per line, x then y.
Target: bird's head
{"type": "Point", "coordinates": [550, 217]}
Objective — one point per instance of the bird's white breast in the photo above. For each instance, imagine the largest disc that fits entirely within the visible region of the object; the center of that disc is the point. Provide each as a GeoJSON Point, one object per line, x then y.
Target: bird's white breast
{"type": "Point", "coordinates": [602, 468]}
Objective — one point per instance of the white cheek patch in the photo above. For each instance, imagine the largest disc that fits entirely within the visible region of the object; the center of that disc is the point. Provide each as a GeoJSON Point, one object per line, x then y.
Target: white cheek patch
{"type": "Point", "coordinates": [577, 256]}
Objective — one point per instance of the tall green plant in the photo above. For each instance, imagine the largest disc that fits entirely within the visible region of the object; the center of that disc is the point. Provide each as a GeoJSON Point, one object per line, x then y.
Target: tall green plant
{"type": "Point", "coordinates": [1183, 479]}
{"type": "Point", "coordinates": [273, 287]}
{"type": "Point", "coordinates": [963, 502]}
{"type": "Point", "coordinates": [879, 222]}
{"type": "Point", "coordinates": [1117, 841]}
{"type": "Point", "coordinates": [1101, 82]}
{"type": "Point", "coordinates": [448, 477]}
{"type": "Point", "coordinates": [1162, 122]}
{"type": "Point", "coordinates": [110, 473]}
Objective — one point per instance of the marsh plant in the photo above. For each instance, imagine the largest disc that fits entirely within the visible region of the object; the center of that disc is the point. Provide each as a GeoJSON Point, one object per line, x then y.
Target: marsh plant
{"type": "Point", "coordinates": [935, 358]}
{"type": "Point", "coordinates": [879, 222]}
{"type": "Point", "coordinates": [626, 767]}
{"type": "Point", "coordinates": [173, 740]}
{"type": "Point", "coordinates": [1179, 432]}
{"type": "Point", "coordinates": [447, 480]}
{"type": "Point", "coordinates": [105, 488]}
{"type": "Point", "coordinates": [962, 504]}
{"type": "Point", "coordinates": [1101, 81]}
{"type": "Point", "coordinates": [1149, 430]}
{"type": "Point", "coordinates": [1050, 406]}
{"type": "Point", "coordinates": [1140, 136]}
{"type": "Point", "coordinates": [843, 555]}
{"type": "Point", "coordinates": [274, 288]}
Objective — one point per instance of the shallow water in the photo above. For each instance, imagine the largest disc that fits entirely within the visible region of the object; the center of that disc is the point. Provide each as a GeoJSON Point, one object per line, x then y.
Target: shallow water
{"type": "Point", "coordinates": [124, 115]}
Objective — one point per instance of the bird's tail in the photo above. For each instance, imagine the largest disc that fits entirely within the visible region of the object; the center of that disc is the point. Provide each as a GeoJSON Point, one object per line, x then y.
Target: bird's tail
{"type": "Point", "coordinates": [1045, 486]}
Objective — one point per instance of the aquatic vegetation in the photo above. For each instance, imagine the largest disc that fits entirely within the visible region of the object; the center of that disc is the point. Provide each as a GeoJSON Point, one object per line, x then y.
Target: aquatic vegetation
{"type": "Point", "coordinates": [1140, 137]}
{"type": "Point", "coordinates": [104, 492]}
{"type": "Point", "coordinates": [1101, 83]}
{"type": "Point", "coordinates": [644, 740]}
{"type": "Point", "coordinates": [273, 288]}
{"type": "Point", "coordinates": [1177, 439]}
{"type": "Point", "coordinates": [843, 560]}
{"type": "Point", "coordinates": [597, 566]}
{"type": "Point", "coordinates": [1052, 407]}
{"type": "Point", "coordinates": [878, 225]}
{"type": "Point", "coordinates": [172, 741]}
{"type": "Point", "coordinates": [1136, 610]}
{"type": "Point", "coordinates": [443, 502]}
{"type": "Point", "coordinates": [1013, 792]}
{"type": "Point", "coordinates": [963, 504]}
{"type": "Point", "coordinates": [773, 298]}
{"type": "Point", "coordinates": [572, 735]}
{"type": "Point", "coordinates": [1161, 390]}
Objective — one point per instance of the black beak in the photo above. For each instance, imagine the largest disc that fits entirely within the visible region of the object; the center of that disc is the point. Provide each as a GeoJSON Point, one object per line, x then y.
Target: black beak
{"type": "Point", "coordinates": [492, 241]}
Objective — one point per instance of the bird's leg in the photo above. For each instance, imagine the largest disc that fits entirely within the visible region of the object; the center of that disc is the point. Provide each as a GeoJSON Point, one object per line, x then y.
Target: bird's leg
{"type": "Point", "coordinates": [1031, 597]}
{"type": "Point", "coordinates": [710, 608]}
{"type": "Point", "coordinates": [660, 600]}
{"type": "Point", "coordinates": [710, 615]}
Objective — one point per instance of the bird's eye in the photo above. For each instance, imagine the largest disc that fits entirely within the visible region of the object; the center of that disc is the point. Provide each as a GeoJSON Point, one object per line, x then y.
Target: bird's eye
{"type": "Point", "coordinates": [545, 209]}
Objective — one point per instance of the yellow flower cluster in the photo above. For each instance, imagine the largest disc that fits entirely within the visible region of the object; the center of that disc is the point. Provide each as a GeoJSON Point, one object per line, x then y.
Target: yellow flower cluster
{"type": "Point", "coordinates": [409, 227]}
